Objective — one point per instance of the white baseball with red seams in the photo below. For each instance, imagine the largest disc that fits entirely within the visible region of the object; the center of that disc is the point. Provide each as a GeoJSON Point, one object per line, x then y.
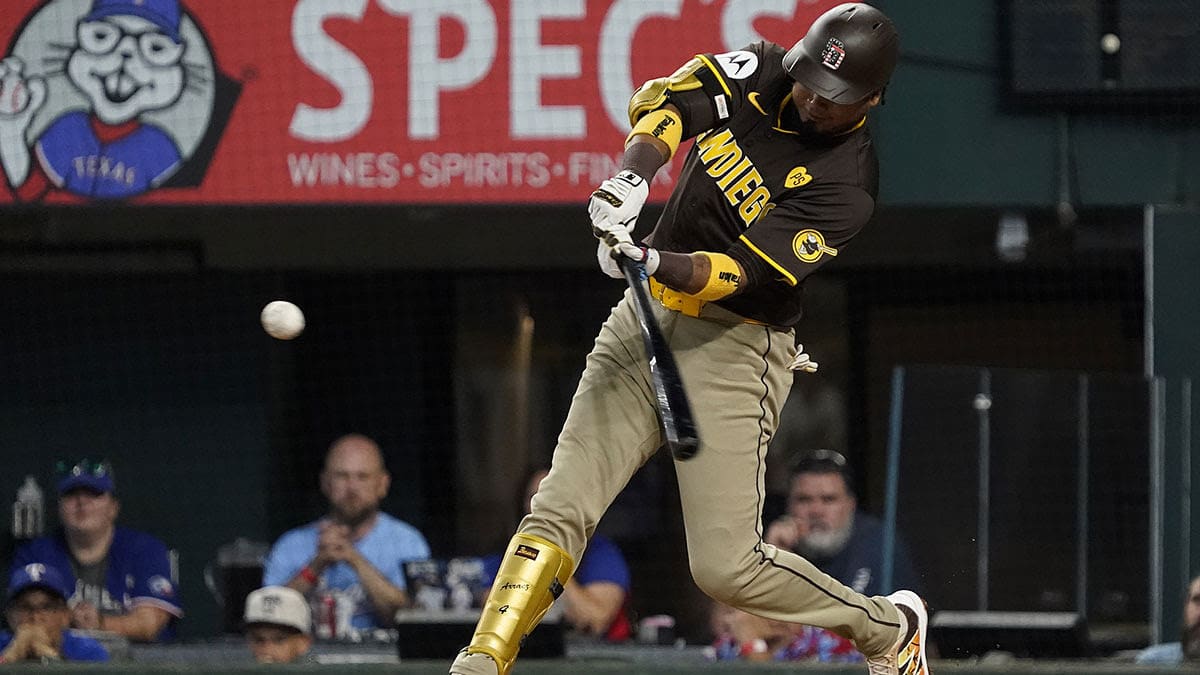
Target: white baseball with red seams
{"type": "Point", "coordinates": [282, 320]}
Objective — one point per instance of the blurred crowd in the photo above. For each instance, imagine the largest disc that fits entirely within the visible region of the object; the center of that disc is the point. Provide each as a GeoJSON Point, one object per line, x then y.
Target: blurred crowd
{"type": "Point", "coordinates": [348, 575]}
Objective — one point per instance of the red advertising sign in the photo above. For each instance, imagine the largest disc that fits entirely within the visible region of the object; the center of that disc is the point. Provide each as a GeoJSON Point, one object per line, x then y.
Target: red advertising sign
{"type": "Point", "coordinates": [352, 101]}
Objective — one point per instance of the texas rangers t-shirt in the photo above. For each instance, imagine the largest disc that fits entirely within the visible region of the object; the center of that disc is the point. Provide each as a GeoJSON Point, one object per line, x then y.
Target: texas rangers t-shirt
{"type": "Point", "coordinates": [137, 571]}
{"type": "Point", "coordinates": [389, 544]}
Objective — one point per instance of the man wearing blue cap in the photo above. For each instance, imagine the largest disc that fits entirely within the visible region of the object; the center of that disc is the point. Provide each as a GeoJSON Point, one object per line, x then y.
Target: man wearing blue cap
{"type": "Point", "coordinates": [122, 580]}
{"type": "Point", "coordinates": [36, 610]}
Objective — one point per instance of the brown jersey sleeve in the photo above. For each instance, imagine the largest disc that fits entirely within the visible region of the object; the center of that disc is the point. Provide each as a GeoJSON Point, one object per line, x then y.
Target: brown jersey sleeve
{"type": "Point", "coordinates": [798, 236]}
{"type": "Point", "coordinates": [711, 88]}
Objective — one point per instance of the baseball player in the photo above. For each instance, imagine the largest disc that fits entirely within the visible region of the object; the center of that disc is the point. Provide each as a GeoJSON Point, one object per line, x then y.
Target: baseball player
{"type": "Point", "coordinates": [781, 177]}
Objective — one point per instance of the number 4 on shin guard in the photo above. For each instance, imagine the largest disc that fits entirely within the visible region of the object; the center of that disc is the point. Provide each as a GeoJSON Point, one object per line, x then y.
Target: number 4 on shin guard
{"type": "Point", "coordinates": [531, 577]}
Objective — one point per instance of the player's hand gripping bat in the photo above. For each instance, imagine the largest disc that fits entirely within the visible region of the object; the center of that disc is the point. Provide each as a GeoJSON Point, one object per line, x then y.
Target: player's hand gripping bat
{"type": "Point", "coordinates": [674, 411]}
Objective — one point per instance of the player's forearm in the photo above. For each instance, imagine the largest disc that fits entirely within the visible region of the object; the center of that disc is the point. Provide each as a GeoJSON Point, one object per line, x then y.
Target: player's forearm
{"type": "Point", "coordinates": [644, 155]}
{"type": "Point", "coordinates": [653, 141]}
{"type": "Point", "coordinates": [707, 276]}
{"type": "Point", "coordinates": [686, 272]}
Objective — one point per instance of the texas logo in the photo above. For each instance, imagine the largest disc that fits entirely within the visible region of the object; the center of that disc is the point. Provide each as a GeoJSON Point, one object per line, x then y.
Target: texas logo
{"type": "Point", "coordinates": [109, 99]}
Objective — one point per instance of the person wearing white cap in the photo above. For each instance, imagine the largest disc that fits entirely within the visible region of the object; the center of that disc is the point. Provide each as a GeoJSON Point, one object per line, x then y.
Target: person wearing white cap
{"type": "Point", "coordinates": [278, 625]}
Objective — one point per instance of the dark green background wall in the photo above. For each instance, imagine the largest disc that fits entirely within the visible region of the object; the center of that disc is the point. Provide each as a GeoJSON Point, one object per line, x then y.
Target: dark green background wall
{"type": "Point", "coordinates": [1175, 298]}
{"type": "Point", "coordinates": [950, 136]}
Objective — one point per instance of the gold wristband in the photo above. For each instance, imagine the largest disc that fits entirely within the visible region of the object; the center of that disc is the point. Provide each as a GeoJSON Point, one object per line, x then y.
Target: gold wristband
{"type": "Point", "coordinates": [724, 276]}
{"type": "Point", "coordinates": [664, 125]}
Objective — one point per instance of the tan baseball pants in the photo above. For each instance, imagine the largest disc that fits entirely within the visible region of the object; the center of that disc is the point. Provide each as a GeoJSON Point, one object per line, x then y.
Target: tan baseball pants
{"type": "Point", "coordinates": [737, 379]}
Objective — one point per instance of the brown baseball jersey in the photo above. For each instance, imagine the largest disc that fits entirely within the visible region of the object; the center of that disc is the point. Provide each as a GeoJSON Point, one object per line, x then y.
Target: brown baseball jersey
{"type": "Point", "coordinates": [758, 186]}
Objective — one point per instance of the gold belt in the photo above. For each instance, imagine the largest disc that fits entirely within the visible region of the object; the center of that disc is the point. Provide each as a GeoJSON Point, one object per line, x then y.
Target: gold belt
{"type": "Point", "coordinates": [692, 306]}
{"type": "Point", "coordinates": [673, 299]}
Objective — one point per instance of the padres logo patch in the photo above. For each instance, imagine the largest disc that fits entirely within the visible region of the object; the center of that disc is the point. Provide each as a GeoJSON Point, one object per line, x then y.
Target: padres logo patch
{"type": "Point", "coordinates": [526, 552]}
{"type": "Point", "coordinates": [809, 246]}
{"type": "Point", "coordinates": [797, 177]}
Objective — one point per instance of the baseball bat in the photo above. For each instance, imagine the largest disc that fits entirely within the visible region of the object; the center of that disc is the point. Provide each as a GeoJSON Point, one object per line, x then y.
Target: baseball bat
{"type": "Point", "coordinates": [674, 411]}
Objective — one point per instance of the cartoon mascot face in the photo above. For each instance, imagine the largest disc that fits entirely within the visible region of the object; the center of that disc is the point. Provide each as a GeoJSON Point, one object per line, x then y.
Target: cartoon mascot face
{"type": "Point", "coordinates": [106, 99]}
{"type": "Point", "coordinates": [128, 58]}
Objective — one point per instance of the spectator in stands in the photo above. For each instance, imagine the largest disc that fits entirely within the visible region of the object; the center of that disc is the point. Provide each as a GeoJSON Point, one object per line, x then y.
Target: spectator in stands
{"type": "Point", "coordinates": [1188, 648]}
{"type": "Point", "coordinates": [594, 599]}
{"type": "Point", "coordinates": [822, 524]}
{"type": "Point", "coordinates": [356, 552]}
{"type": "Point", "coordinates": [36, 611]}
{"type": "Point", "coordinates": [124, 580]}
{"type": "Point", "coordinates": [278, 625]}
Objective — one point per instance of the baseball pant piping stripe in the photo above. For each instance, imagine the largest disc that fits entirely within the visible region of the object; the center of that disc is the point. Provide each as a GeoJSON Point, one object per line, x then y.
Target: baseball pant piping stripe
{"type": "Point", "coordinates": [817, 586]}
{"type": "Point", "coordinates": [763, 559]}
{"type": "Point", "coordinates": [762, 434]}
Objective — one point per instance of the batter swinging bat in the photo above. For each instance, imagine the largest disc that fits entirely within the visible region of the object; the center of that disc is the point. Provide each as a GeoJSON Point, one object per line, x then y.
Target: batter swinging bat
{"type": "Point", "coordinates": [674, 411]}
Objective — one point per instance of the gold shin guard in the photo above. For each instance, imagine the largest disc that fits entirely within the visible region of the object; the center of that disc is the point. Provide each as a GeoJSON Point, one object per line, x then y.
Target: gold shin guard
{"type": "Point", "coordinates": [531, 576]}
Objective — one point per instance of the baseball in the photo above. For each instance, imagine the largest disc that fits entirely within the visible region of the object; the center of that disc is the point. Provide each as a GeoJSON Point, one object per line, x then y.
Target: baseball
{"type": "Point", "coordinates": [1110, 43]}
{"type": "Point", "coordinates": [282, 320]}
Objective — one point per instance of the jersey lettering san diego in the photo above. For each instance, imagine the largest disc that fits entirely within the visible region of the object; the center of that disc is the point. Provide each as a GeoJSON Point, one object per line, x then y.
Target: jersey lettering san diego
{"type": "Point", "coordinates": [735, 174]}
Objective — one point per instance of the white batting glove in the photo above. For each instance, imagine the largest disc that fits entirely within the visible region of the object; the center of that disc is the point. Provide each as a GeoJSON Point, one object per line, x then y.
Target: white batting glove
{"type": "Point", "coordinates": [608, 264]}
{"type": "Point", "coordinates": [614, 242]}
{"type": "Point", "coordinates": [619, 200]}
{"type": "Point", "coordinates": [802, 363]}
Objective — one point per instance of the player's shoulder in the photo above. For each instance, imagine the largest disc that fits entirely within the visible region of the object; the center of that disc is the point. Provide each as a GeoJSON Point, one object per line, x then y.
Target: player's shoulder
{"type": "Point", "coordinates": [749, 64]}
{"type": "Point", "coordinates": [772, 56]}
{"type": "Point", "coordinates": [846, 169]}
